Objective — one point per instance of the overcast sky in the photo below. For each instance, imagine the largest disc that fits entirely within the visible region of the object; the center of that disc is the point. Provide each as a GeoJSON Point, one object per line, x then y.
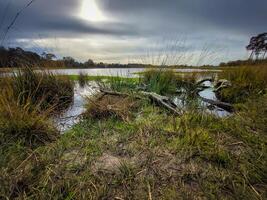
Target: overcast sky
{"type": "Point", "coordinates": [188, 31]}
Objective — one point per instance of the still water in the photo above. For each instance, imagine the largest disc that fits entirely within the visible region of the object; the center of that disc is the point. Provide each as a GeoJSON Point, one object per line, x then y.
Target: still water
{"type": "Point", "coordinates": [123, 72]}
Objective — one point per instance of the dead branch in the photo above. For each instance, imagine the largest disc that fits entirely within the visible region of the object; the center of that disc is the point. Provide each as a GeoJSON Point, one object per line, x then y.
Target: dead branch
{"type": "Point", "coordinates": [160, 100]}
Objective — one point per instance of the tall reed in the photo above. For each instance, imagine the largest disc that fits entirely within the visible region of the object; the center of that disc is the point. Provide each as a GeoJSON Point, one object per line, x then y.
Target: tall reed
{"type": "Point", "coordinates": [160, 81]}
{"type": "Point", "coordinates": [246, 81]}
{"type": "Point", "coordinates": [25, 123]}
{"type": "Point", "coordinates": [44, 88]}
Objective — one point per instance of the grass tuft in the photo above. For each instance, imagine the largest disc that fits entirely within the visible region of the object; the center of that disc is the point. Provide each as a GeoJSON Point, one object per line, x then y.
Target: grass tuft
{"type": "Point", "coordinates": [160, 81]}
{"type": "Point", "coordinates": [43, 89]}
{"type": "Point", "coordinates": [247, 82]}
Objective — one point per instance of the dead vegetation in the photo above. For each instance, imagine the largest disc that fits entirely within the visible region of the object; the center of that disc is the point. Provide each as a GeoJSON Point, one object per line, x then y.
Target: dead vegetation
{"type": "Point", "coordinates": [107, 106]}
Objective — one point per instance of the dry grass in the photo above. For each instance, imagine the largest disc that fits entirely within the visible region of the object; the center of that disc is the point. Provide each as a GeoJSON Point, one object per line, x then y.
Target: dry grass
{"type": "Point", "coordinates": [247, 82]}
{"type": "Point", "coordinates": [25, 123]}
{"type": "Point", "coordinates": [111, 106]}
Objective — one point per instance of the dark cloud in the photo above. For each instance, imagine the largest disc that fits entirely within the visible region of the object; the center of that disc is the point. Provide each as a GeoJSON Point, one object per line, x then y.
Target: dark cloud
{"type": "Point", "coordinates": [243, 15]}
{"type": "Point", "coordinates": [221, 24]}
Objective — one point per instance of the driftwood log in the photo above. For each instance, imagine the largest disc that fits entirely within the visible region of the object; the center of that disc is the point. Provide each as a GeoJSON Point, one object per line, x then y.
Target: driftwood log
{"type": "Point", "coordinates": [163, 101]}
{"type": "Point", "coordinates": [160, 100]}
{"type": "Point", "coordinates": [226, 106]}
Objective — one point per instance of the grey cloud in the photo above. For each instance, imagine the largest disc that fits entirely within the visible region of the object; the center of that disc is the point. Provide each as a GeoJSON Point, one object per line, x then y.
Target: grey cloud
{"type": "Point", "coordinates": [243, 15]}
{"type": "Point", "coordinates": [58, 17]}
{"type": "Point", "coordinates": [218, 23]}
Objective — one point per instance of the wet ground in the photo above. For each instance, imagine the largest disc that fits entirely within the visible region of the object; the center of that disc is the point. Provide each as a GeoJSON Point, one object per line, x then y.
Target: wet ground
{"type": "Point", "coordinates": [71, 116]}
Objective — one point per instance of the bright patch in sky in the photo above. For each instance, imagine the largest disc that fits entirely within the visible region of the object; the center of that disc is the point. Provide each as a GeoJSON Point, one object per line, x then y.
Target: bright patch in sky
{"type": "Point", "coordinates": [90, 11]}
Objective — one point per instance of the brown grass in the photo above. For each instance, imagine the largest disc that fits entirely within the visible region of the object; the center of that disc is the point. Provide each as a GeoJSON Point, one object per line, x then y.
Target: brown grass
{"type": "Point", "coordinates": [110, 105]}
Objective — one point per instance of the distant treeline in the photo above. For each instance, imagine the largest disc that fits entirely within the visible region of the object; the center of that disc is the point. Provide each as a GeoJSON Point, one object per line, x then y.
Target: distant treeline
{"type": "Point", "coordinates": [249, 62]}
{"type": "Point", "coordinates": [17, 57]}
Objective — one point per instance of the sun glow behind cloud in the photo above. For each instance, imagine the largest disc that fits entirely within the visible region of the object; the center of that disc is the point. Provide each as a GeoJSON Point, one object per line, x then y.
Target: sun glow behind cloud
{"type": "Point", "coordinates": [91, 12]}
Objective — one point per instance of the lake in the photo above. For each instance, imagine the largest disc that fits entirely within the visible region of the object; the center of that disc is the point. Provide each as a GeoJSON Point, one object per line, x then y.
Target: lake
{"type": "Point", "coordinates": [123, 72]}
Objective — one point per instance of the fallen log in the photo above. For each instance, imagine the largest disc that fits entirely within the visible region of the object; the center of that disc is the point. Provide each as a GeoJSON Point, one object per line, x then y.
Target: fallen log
{"type": "Point", "coordinates": [163, 101]}
{"type": "Point", "coordinates": [160, 100]}
{"type": "Point", "coordinates": [226, 106]}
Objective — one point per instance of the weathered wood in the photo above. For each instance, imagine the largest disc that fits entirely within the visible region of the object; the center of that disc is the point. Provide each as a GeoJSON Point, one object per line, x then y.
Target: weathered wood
{"type": "Point", "coordinates": [222, 83]}
{"type": "Point", "coordinates": [226, 106]}
{"type": "Point", "coordinates": [204, 80]}
{"type": "Point", "coordinates": [163, 101]}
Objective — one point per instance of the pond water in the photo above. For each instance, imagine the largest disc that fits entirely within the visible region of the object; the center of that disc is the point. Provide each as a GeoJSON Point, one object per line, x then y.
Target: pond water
{"type": "Point", "coordinates": [123, 72]}
{"type": "Point", "coordinates": [71, 116]}
{"type": "Point", "coordinates": [208, 93]}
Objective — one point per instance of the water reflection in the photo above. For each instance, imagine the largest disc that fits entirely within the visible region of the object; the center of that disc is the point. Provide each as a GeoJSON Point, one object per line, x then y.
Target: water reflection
{"type": "Point", "coordinates": [72, 115]}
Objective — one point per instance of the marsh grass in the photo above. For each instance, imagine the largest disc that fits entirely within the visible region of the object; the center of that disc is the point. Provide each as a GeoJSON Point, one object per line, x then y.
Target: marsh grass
{"type": "Point", "coordinates": [25, 123]}
{"type": "Point", "coordinates": [200, 157]}
{"type": "Point", "coordinates": [43, 89]}
{"type": "Point", "coordinates": [82, 79]}
{"type": "Point", "coordinates": [27, 101]}
{"type": "Point", "coordinates": [247, 82]}
{"type": "Point", "coordinates": [161, 81]}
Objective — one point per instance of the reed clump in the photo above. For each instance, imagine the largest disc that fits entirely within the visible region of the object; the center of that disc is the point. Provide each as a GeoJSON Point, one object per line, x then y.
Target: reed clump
{"type": "Point", "coordinates": [160, 81]}
{"type": "Point", "coordinates": [82, 79]}
{"type": "Point", "coordinates": [27, 101]}
{"type": "Point", "coordinates": [43, 89]}
{"type": "Point", "coordinates": [247, 82]}
{"type": "Point", "coordinates": [24, 123]}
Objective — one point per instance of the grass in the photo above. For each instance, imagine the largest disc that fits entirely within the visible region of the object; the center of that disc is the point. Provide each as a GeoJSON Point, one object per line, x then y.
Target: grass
{"type": "Point", "coordinates": [160, 81]}
{"type": "Point", "coordinates": [27, 101]}
{"type": "Point", "coordinates": [247, 82]}
{"type": "Point", "coordinates": [151, 155]}
{"type": "Point", "coordinates": [43, 89]}
{"type": "Point", "coordinates": [125, 148]}
{"type": "Point", "coordinates": [82, 79]}
{"type": "Point", "coordinates": [24, 124]}
{"type": "Point", "coordinates": [106, 106]}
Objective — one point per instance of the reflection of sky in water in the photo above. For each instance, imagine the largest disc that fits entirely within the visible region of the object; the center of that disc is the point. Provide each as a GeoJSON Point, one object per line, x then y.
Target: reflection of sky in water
{"type": "Point", "coordinates": [70, 117]}
{"type": "Point", "coordinates": [124, 72]}
{"type": "Point", "coordinates": [207, 93]}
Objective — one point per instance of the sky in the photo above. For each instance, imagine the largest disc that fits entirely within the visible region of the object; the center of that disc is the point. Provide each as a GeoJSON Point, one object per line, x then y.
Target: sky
{"type": "Point", "coordinates": [193, 32]}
